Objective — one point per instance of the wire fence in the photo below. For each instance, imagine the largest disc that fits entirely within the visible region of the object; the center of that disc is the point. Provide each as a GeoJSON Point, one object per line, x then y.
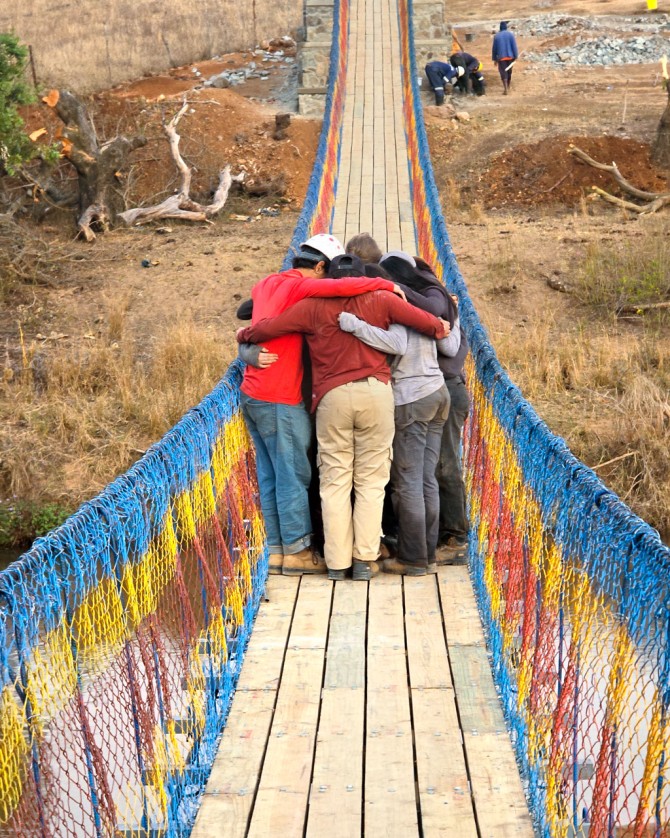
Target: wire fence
{"type": "Point", "coordinates": [573, 588]}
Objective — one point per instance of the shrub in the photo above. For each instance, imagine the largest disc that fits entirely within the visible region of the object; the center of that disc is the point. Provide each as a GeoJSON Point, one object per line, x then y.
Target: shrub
{"type": "Point", "coordinates": [15, 146]}
{"type": "Point", "coordinates": [633, 273]}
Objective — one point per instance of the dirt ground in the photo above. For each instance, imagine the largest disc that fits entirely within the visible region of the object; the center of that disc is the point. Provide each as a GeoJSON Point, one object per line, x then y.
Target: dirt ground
{"type": "Point", "coordinates": [515, 202]}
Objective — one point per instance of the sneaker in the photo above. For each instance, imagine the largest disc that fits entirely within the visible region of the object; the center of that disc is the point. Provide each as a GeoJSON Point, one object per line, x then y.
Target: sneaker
{"type": "Point", "coordinates": [337, 575]}
{"type": "Point", "coordinates": [364, 571]}
{"type": "Point", "coordinates": [431, 570]}
{"type": "Point", "coordinates": [401, 569]}
{"type": "Point", "coordinates": [452, 551]}
{"type": "Point", "coordinates": [304, 562]}
{"type": "Point", "coordinates": [275, 564]}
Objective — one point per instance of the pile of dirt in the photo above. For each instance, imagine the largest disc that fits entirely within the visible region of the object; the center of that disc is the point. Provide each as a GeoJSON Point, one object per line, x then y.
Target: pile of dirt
{"type": "Point", "coordinates": [543, 173]}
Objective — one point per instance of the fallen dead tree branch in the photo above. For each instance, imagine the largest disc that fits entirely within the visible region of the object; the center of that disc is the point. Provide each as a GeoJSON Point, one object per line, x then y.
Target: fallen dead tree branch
{"type": "Point", "coordinates": [614, 171]}
{"type": "Point", "coordinates": [662, 200]}
{"type": "Point", "coordinates": [181, 205]}
{"type": "Point", "coordinates": [640, 307]}
{"type": "Point", "coordinates": [654, 200]}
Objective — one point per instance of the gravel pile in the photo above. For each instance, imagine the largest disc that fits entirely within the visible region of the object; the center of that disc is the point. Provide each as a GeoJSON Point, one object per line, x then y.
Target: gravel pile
{"type": "Point", "coordinates": [606, 51]}
{"type": "Point", "coordinates": [229, 78]}
{"type": "Point", "coordinates": [554, 25]}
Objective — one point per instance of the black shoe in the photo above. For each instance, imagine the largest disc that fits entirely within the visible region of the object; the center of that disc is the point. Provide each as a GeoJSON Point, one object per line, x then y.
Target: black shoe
{"type": "Point", "coordinates": [337, 575]}
{"type": "Point", "coordinates": [439, 96]}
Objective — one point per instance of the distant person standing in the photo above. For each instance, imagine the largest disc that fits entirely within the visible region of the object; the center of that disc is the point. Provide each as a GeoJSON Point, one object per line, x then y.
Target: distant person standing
{"type": "Point", "coordinates": [504, 54]}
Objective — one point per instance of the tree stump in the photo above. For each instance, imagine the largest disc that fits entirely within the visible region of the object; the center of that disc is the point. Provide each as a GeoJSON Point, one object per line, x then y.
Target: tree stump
{"type": "Point", "coordinates": [660, 151]}
{"type": "Point", "coordinates": [97, 165]}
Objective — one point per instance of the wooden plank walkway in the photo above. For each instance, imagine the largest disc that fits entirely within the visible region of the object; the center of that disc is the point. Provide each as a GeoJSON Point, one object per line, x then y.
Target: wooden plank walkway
{"type": "Point", "coordinates": [366, 709]}
{"type": "Point", "coordinates": [373, 185]}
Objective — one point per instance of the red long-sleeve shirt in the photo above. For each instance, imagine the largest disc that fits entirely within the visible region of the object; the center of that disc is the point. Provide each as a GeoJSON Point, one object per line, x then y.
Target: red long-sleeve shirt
{"type": "Point", "coordinates": [337, 356]}
{"type": "Point", "coordinates": [273, 295]}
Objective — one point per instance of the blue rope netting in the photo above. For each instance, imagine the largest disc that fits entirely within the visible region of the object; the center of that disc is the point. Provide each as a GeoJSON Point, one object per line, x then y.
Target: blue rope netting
{"type": "Point", "coordinates": [587, 520]}
{"type": "Point", "coordinates": [623, 556]}
{"type": "Point", "coordinates": [116, 528]}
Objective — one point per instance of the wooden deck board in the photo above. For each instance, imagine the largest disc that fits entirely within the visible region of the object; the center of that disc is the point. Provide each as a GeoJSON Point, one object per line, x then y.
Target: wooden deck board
{"type": "Point", "coordinates": [283, 789]}
{"type": "Point", "coordinates": [231, 788]}
{"type": "Point", "coordinates": [496, 786]}
{"type": "Point", "coordinates": [390, 798]}
{"type": "Point", "coordinates": [265, 653]}
{"type": "Point", "coordinates": [362, 734]}
{"type": "Point", "coordinates": [335, 803]}
{"type": "Point", "coordinates": [444, 789]}
{"type": "Point", "coordinates": [426, 649]}
{"type": "Point", "coordinates": [367, 708]}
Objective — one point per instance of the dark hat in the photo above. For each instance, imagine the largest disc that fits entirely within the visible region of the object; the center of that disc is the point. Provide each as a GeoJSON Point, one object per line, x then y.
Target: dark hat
{"type": "Point", "coordinates": [346, 265]}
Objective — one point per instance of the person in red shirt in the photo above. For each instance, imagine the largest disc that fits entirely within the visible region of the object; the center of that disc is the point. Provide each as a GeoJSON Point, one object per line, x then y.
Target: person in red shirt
{"type": "Point", "coordinates": [273, 409]}
{"type": "Point", "coordinates": [354, 407]}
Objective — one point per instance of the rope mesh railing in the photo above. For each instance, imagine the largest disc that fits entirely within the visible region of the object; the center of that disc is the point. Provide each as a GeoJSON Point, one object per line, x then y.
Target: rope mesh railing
{"type": "Point", "coordinates": [122, 632]}
{"type": "Point", "coordinates": [121, 637]}
{"type": "Point", "coordinates": [573, 588]}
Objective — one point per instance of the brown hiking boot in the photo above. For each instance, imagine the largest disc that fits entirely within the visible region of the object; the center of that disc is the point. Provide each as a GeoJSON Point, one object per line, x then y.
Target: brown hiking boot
{"type": "Point", "coordinates": [306, 561]}
{"type": "Point", "coordinates": [453, 551]}
{"type": "Point", "coordinates": [275, 564]}
{"type": "Point", "coordinates": [401, 569]}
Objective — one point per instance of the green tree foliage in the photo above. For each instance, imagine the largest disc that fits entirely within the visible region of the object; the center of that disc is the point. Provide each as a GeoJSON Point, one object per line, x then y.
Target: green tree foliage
{"type": "Point", "coordinates": [15, 146]}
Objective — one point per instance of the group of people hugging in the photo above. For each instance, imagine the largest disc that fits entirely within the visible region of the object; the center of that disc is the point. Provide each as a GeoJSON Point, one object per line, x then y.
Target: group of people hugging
{"type": "Point", "coordinates": [383, 377]}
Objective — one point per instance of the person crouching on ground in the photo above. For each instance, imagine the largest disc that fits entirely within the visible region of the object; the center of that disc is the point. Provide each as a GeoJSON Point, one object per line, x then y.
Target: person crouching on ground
{"type": "Point", "coordinates": [472, 79]}
{"type": "Point", "coordinates": [440, 76]}
{"type": "Point", "coordinates": [353, 401]}
{"type": "Point", "coordinates": [273, 409]}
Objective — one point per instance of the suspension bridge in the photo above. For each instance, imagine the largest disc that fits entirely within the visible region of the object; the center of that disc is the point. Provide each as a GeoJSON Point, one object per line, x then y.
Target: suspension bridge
{"type": "Point", "coordinates": [154, 682]}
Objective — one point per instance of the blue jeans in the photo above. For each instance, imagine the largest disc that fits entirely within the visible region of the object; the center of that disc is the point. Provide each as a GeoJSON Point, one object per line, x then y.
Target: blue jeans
{"type": "Point", "coordinates": [282, 434]}
{"type": "Point", "coordinates": [416, 498]}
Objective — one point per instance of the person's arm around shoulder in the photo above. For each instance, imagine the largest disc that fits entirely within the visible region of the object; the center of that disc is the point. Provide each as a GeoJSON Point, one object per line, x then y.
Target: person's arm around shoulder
{"type": "Point", "coordinates": [297, 318]}
{"type": "Point", "coordinates": [256, 356]}
{"type": "Point", "coordinates": [401, 312]}
{"type": "Point", "coordinates": [346, 286]}
{"type": "Point", "coordinates": [431, 300]}
{"type": "Point", "coordinates": [392, 340]}
{"type": "Point", "coordinates": [450, 345]}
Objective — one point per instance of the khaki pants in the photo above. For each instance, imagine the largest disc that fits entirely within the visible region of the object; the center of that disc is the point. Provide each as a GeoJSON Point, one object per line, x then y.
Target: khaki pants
{"type": "Point", "coordinates": [354, 430]}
